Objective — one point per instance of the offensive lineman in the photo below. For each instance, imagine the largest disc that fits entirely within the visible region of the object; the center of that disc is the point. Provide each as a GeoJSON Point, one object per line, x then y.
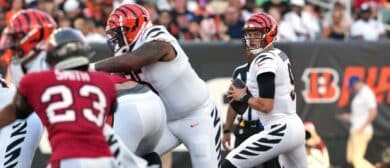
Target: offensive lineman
{"type": "Point", "coordinates": [271, 86]}
{"type": "Point", "coordinates": [150, 55]}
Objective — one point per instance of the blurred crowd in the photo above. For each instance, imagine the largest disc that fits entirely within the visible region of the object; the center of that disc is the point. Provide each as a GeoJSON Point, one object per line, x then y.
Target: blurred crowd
{"type": "Point", "coordinates": [222, 20]}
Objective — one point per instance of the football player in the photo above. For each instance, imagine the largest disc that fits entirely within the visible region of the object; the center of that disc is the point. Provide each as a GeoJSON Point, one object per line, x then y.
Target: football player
{"type": "Point", "coordinates": [24, 36]}
{"type": "Point", "coordinates": [151, 55]}
{"type": "Point", "coordinates": [71, 103]}
{"type": "Point", "coordinates": [271, 94]}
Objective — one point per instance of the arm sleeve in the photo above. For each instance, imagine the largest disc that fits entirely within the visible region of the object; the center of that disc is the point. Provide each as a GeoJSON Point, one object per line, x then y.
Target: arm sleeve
{"type": "Point", "coordinates": [266, 84]}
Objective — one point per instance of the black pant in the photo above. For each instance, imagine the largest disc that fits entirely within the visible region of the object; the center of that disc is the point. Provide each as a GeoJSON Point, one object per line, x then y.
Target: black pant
{"type": "Point", "coordinates": [244, 132]}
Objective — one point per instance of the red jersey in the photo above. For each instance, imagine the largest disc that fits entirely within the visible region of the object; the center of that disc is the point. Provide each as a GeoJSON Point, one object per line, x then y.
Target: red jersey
{"type": "Point", "coordinates": [73, 106]}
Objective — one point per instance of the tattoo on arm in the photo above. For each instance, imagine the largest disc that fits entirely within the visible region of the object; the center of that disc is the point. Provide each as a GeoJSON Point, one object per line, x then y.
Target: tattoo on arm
{"type": "Point", "coordinates": [147, 54]}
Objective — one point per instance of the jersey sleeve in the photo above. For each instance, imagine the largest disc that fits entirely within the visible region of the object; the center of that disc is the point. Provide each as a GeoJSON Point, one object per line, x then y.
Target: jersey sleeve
{"type": "Point", "coordinates": [157, 33]}
{"type": "Point", "coordinates": [264, 63]}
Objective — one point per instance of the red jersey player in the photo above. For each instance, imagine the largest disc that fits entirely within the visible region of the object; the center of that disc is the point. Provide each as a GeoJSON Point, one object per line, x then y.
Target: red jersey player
{"type": "Point", "coordinates": [71, 103]}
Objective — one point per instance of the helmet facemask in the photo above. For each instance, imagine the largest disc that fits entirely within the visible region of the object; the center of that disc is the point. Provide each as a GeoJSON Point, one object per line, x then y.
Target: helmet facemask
{"type": "Point", "coordinates": [11, 41]}
{"type": "Point", "coordinates": [117, 40]}
{"type": "Point", "coordinates": [254, 40]}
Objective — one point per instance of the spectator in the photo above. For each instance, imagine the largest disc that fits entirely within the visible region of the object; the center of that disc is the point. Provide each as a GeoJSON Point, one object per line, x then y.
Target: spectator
{"type": "Point", "coordinates": [165, 19]}
{"type": "Point", "coordinates": [221, 34]}
{"type": "Point", "coordinates": [17, 5]}
{"type": "Point", "coordinates": [364, 111]}
{"type": "Point", "coordinates": [301, 22]}
{"type": "Point", "coordinates": [282, 5]}
{"type": "Point", "coordinates": [183, 22]}
{"type": "Point", "coordinates": [88, 28]}
{"type": "Point", "coordinates": [73, 10]}
{"type": "Point", "coordinates": [202, 9]}
{"type": "Point", "coordinates": [98, 10]}
{"type": "Point", "coordinates": [182, 17]}
{"type": "Point", "coordinates": [117, 3]}
{"type": "Point", "coordinates": [242, 8]}
{"type": "Point", "coordinates": [366, 27]}
{"type": "Point", "coordinates": [234, 22]}
{"type": "Point", "coordinates": [151, 9]}
{"type": "Point", "coordinates": [106, 7]}
{"type": "Point", "coordinates": [180, 9]}
{"type": "Point", "coordinates": [64, 22]}
{"type": "Point", "coordinates": [357, 4]}
{"type": "Point", "coordinates": [194, 32]}
{"type": "Point", "coordinates": [208, 27]}
{"type": "Point", "coordinates": [285, 33]}
{"type": "Point", "coordinates": [47, 6]}
{"type": "Point", "coordinates": [316, 151]}
{"type": "Point", "coordinates": [337, 22]}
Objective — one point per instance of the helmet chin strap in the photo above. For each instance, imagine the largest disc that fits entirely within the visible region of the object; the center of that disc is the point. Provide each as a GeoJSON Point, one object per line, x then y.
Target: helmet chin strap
{"type": "Point", "coordinates": [257, 51]}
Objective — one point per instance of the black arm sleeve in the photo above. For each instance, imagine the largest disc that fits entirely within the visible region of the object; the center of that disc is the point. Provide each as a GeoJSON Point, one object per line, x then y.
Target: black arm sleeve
{"type": "Point", "coordinates": [266, 84]}
{"type": "Point", "coordinates": [114, 107]}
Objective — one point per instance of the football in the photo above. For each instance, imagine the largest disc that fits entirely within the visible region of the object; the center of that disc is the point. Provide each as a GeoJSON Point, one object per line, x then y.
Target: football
{"type": "Point", "coordinates": [238, 106]}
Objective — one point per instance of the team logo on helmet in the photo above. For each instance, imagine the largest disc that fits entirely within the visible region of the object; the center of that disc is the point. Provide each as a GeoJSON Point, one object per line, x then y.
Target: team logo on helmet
{"type": "Point", "coordinates": [124, 26]}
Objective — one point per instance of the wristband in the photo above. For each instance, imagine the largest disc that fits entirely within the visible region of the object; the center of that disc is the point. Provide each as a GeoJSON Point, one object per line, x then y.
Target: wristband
{"type": "Point", "coordinates": [226, 131]}
{"type": "Point", "coordinates": [91, 67]}
{"type": "Point", "coordinates": [245, 98]}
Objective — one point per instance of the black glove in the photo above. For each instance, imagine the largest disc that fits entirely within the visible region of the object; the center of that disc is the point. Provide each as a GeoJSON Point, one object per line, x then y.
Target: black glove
{"type": "Point", "coordinates": [239, 107]}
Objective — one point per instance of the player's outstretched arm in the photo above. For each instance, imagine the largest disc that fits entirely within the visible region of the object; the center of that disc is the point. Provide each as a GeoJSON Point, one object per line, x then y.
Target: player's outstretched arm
{"type": "Point", "coordinates": [148, 53]}
{"type": "Point", "coordinates": [17, 109]}
{"type": "Point", "coordinates": [7, 115]}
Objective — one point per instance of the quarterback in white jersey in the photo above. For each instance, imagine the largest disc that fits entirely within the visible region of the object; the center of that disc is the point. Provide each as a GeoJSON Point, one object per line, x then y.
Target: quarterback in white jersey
{"type": "Point", "coordinates": [271, 93]}
{"type": "Point", "coordinates": [151, 55]}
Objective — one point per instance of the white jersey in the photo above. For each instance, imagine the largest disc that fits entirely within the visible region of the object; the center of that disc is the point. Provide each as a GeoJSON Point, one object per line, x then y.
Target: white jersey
{"type": "Point", "coordinates": [6, 95]}
{"type": "Point", "coordinates": [35, 65]}
{"type": "Point", "coordinates": [176, 82]}
{"type": "Point", "coordinates": [277, 62]}
{"type": "Point", "coordinates": [22, 135]}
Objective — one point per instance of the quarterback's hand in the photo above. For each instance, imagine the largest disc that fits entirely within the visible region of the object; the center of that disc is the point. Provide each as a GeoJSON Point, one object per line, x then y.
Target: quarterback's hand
{"type": "Point", "coordinates": [235, 94]}
{"type": "Point", "coordinates": [226, 141]}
